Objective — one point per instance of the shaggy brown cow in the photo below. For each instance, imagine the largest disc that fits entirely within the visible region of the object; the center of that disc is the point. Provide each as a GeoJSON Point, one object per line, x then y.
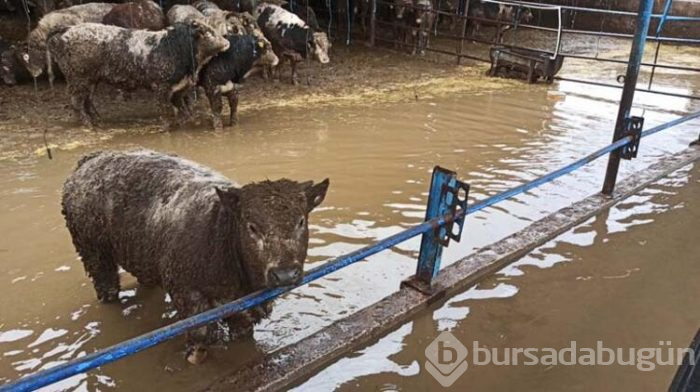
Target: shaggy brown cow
{"type": "Point", "coordinates": [174, 223]}
{"type": "Point", "coordinates": [141, 14]}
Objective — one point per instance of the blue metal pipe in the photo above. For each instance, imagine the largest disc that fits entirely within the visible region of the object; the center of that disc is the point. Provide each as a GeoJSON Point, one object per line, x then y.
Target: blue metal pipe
{"type": "Point", "coordinates": [142, 342]}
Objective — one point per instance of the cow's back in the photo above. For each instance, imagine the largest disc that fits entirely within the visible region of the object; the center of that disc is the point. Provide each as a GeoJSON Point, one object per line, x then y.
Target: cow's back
{"type": "Point", "coordinates": [141, 205]}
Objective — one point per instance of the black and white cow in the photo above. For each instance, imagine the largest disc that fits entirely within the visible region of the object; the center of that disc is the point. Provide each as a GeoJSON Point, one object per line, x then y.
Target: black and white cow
{"type": "Point", "coordinates": [222, 75]}
{"type": "Point", "coordinates": [11, 69]}
{"type": "Point", "coordinates": [291, 38]}
{"type": "Point", "coordinates": [166, 61]}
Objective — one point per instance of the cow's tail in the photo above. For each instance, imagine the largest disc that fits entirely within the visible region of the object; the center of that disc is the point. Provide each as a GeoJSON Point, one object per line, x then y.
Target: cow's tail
{"type": "Point", "coordinates": [52, 41]}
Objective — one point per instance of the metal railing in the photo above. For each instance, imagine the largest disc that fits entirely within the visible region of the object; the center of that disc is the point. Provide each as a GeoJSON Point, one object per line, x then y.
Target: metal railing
{"type": "Point", "coordinates": [464, 35]}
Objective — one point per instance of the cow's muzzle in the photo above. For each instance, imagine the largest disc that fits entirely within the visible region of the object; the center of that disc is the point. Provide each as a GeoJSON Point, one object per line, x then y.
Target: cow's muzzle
{"type": "Point", "coordinates": [284, 276]}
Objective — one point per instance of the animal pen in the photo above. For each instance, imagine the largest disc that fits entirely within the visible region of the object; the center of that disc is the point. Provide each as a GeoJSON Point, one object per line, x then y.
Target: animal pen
{"type": "Point", "coordinates": [447, 208]}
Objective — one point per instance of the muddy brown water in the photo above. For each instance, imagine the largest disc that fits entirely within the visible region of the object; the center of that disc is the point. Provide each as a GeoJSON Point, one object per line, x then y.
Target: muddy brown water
{"type": "Point", "coordinates": [375, 123]}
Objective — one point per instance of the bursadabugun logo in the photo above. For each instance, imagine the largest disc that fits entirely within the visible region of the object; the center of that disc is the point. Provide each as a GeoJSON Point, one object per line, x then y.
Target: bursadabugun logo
{"type": "Point", "coordinates": [446, 359]}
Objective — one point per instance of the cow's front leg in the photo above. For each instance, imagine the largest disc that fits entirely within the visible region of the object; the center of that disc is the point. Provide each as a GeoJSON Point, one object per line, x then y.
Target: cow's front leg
{"type": "Point", "coordinates": [241, 324]}
{"type": "Point", "coordinates": [90, 104]}
{"type": "Point", "coordinates": [214, 97]}
{"type": "Point", "coordinates": [233, 104]}
{"type": "Point", "coordinates": [189, 303]}
{"type": "Point", "coordinates": [166, 107]}
{"type": "Point", "coordinates": [79, 93]}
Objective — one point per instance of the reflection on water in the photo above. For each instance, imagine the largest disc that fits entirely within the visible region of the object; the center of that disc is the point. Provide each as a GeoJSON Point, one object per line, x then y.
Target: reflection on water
{"type": "Point", "coordinates": [379, 159]}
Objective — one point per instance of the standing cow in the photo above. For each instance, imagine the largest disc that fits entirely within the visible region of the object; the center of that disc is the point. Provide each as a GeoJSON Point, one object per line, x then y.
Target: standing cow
{"type": "Point", "coordinates": [222, 75]}
{"type": "Point", "coordinates": [166, 61]}
{"type": "Point", "coordinates": [173, 223]}
{"type": "Point", "coordinates": [291, 38]}
{"type": "Point", "coordinates": [422, 22]}
{"type": "Point", "coordinates": [35, 58]}
{"type": "Point", "coordinates": [11, 69]}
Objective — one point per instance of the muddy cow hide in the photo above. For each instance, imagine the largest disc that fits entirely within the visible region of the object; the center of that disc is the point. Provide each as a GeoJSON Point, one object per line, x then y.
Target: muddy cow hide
{"type": "Point", "coordinates": [223, 22]}
{"type": "Point", "coordinates": [496, 12]}
{"type": "Point", "coordinates": [166, 61]}
{"type": "Point", "coordinates": [11, 69]}
{"type": "Point", "coordinates": [222, 75]}
{"type": "Point", "coordinates": [291, 38]}
{"type": "Point", "coordinates": [174, 223]}
{"type": "Point", "coordinates": [141, 14]}
{"type": "Point", "coordinates": [35, 58]}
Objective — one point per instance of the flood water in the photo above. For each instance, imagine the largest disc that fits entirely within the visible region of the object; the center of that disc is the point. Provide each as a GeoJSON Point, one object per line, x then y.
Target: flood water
{"type": "Point", "coordinates": [626, 278]}
{"type": "Point", "coordinates": [379, 157]}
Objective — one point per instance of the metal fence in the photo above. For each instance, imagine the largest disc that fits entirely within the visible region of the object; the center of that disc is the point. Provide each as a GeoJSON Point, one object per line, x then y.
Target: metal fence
{"type": "Point", "coordinates": [447, 206]}
{"type": "Point", "coordinates": [383, 31]}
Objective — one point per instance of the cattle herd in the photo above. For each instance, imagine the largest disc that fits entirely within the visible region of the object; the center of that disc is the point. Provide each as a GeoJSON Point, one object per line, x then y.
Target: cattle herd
{"type": "Point", "coordinates": [135, 45]}
{"type": "Point", "coordinates": [212, 45]}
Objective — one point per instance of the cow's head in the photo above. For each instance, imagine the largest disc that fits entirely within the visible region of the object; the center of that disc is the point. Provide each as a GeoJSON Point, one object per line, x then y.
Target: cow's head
{"type": "Point", "coordinates": [267, 57]}
{"type": "Point", "coordinates": [319, 45]}
{"type": "Point", "coordinates": [208, 42]}
{"type": "Point", "coordinates": [422, 11]}
{"type": "Point", "coordinates": [34, 61]}
{"type": "Point", "coordinates": [271, 226]}
{"type": "Point", "coordinates": [505, 12]}
{"type": "Point", "coordinates": [400, 7]}
{"type": "Point", "coordinates": [7, 66]}
{"type": "Point", "coordinates": [526, 15]}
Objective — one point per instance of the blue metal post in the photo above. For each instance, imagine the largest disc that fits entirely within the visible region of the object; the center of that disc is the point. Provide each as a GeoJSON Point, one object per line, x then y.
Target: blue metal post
{"type": "Point", "coordinates": [633, 66]}
{"type": "Point", "coordinates": [442, 202]}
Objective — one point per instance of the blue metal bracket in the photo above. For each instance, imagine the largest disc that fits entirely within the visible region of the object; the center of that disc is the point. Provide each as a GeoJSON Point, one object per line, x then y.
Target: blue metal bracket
{"type": "Point", "coordinates": [446, 194]}
{"type": "Point", "coordinates": [633, 128]}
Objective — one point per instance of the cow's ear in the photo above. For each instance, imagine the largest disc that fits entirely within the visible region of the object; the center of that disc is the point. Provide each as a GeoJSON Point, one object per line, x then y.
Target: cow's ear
{"type": "Point", "coordinates": [229, 197]}
{"type": "Point", "coordinates": [315, 194]}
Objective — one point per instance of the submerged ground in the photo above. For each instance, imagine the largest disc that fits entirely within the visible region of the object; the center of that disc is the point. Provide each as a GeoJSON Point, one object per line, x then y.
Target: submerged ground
{"type": "Point", "coordinates": [375, 122]}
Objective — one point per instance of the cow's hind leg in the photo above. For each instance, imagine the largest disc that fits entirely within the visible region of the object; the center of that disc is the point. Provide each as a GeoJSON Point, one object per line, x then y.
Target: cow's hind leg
{"type": "Point", "coordinates": [103, 272]}
{"type": "Point", "coordinates": [167, 108]}
{"type": "Point", "coordinates": [233, 104]}
{"type": "Point", "coordinates": [295, 76]}
{"type": "Point", "coordinates": [216, 105]}
{"type": "Point", "coordinates": [90, 104]}
{"type": "Point", "coordinates": [80, 97]}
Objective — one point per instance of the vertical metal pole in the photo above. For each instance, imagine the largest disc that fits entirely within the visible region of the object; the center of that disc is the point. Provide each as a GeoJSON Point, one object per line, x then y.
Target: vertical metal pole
{"type": "Point", "coordinates": [643, 19]}
{"type": "Point", "coordinates": [439, 202]}
{"type": "Point", "coordinates": [373, 23]}
{"type": "Point", "coordinates": [462, 15]}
